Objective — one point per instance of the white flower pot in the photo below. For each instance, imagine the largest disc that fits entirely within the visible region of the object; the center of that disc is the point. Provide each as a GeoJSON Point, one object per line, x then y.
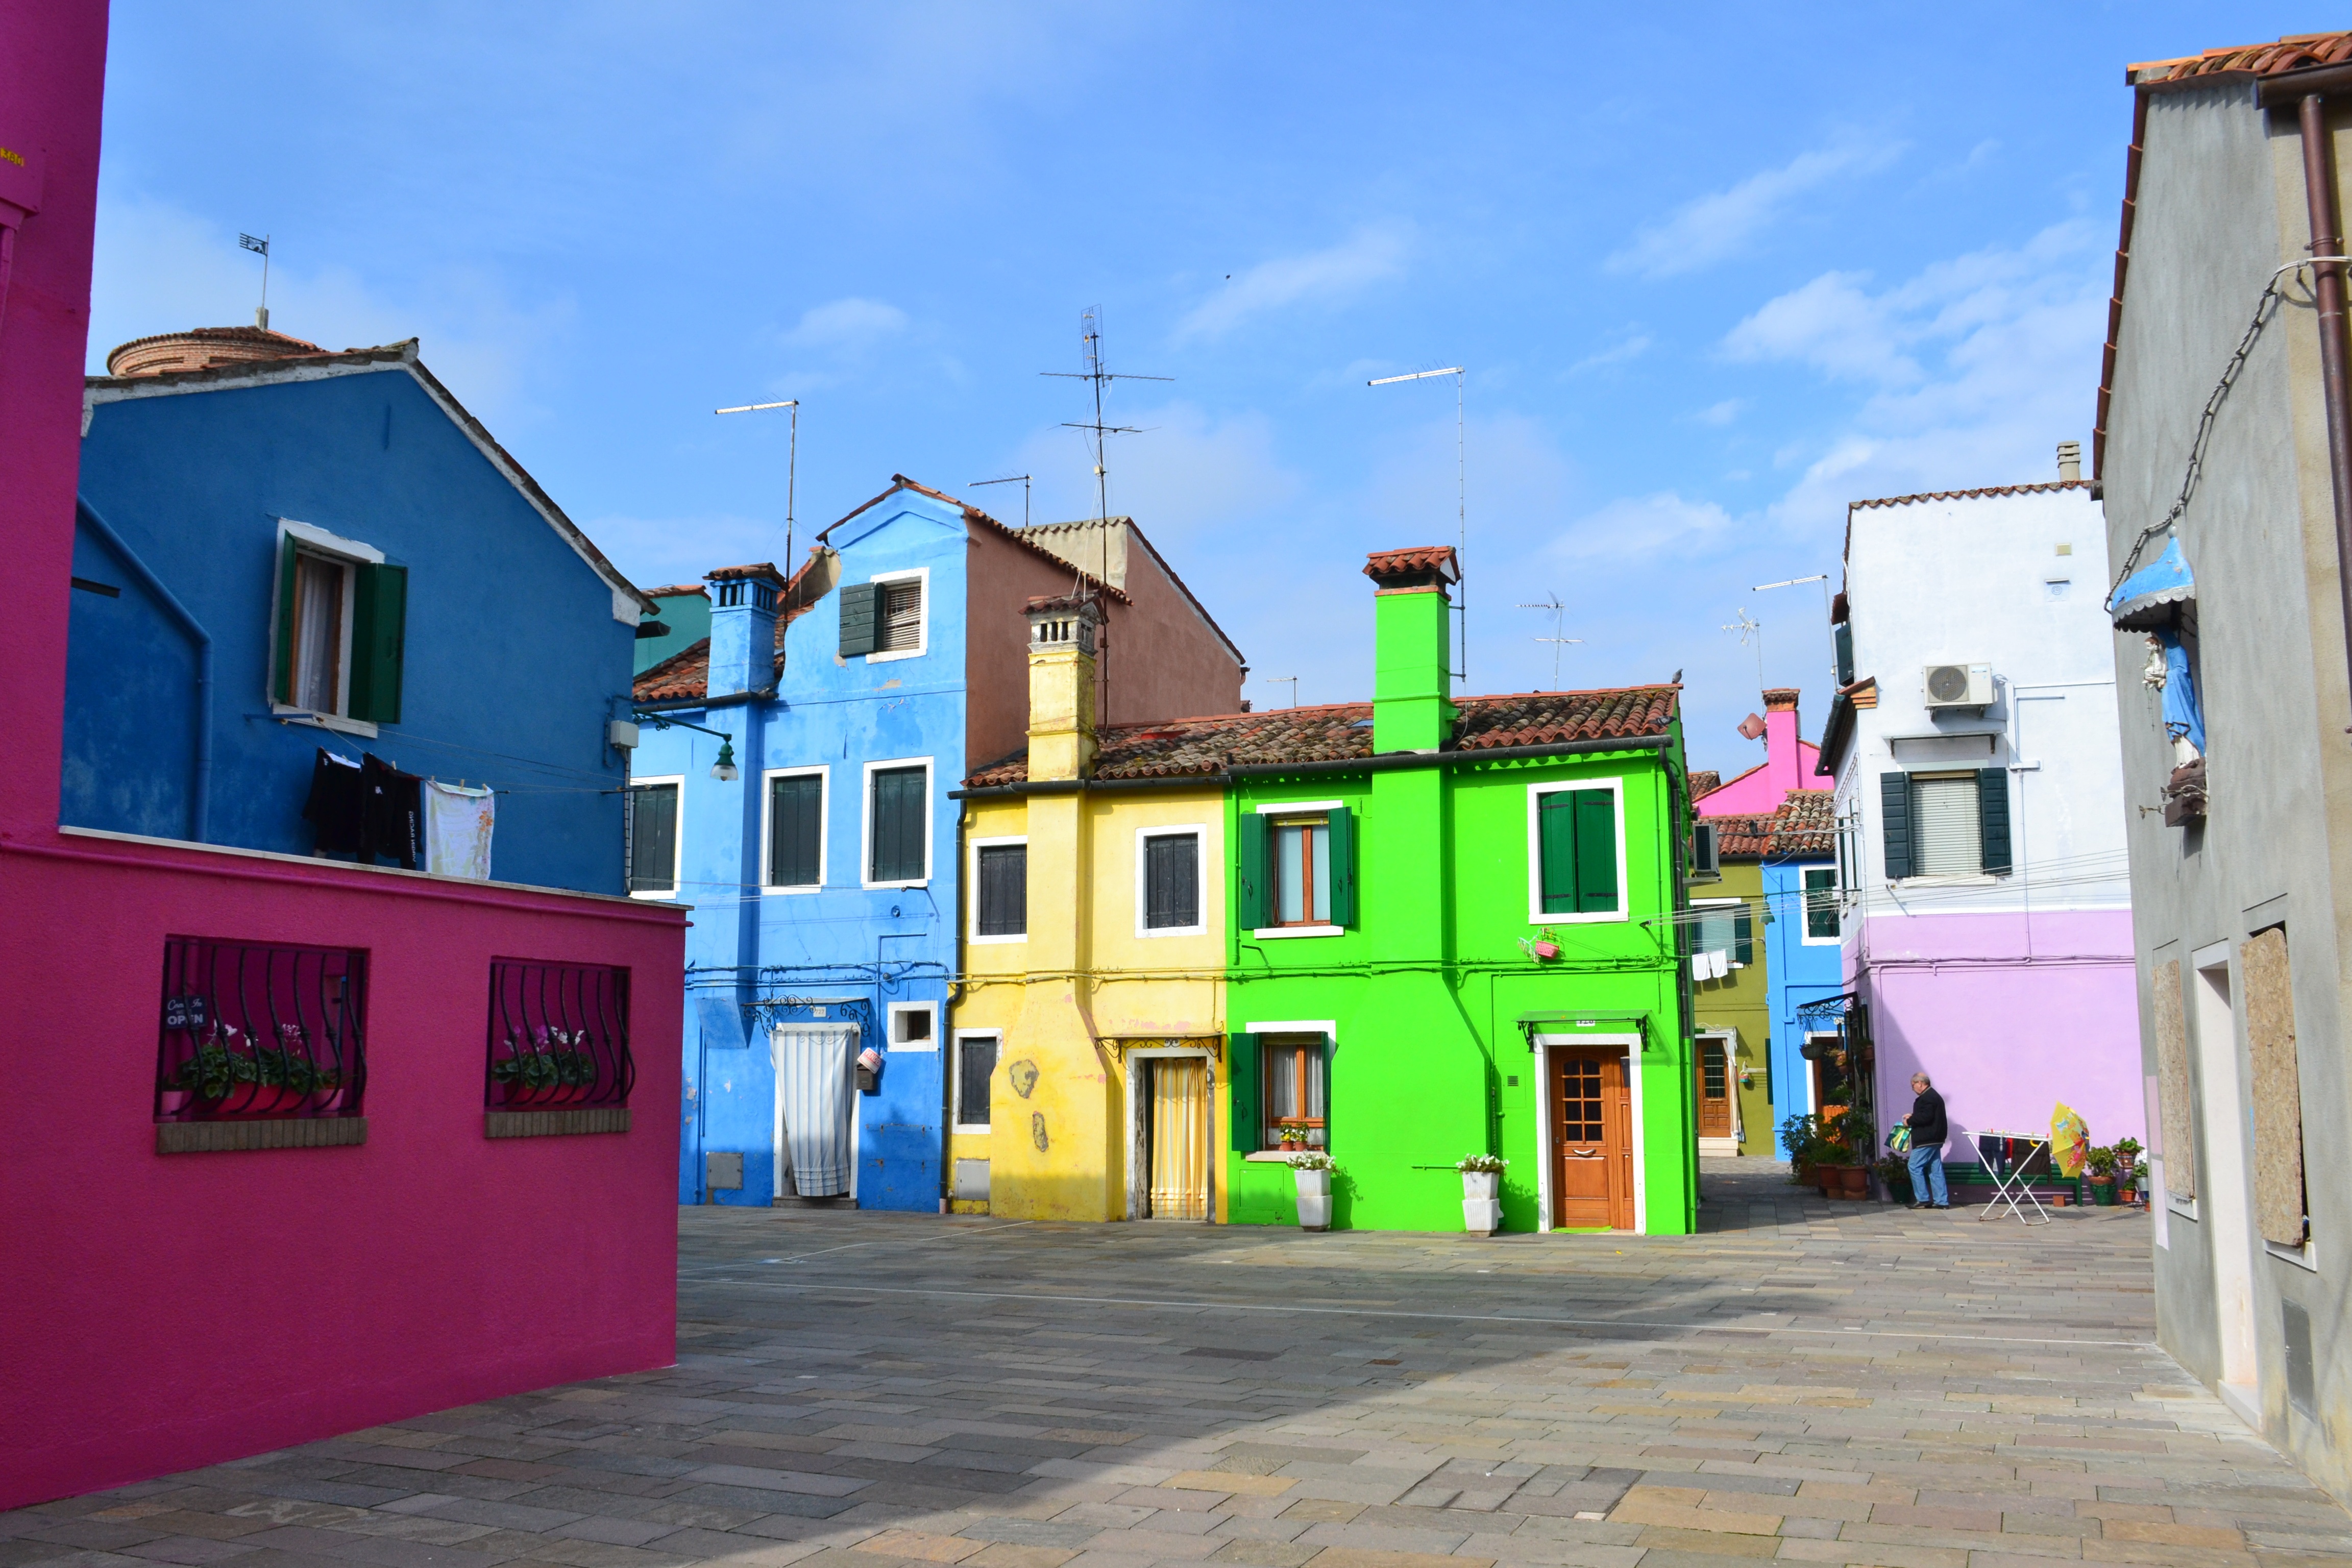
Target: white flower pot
{"type": "Point", "coordinates": [1314, 1199]}
{"type": "Point", "coordinates": [1481, 1216]}
{"type": "Point", "coordinates": [1481, 1184]}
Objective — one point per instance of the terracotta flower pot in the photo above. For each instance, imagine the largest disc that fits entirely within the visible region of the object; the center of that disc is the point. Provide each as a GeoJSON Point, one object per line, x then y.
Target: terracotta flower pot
{"type": "Point", "coordinates": [254, 1099]}
{"type": "Point", "coordinates": [1853, 1178]}
{"type": "Point", "coordinates": [1547, 950]}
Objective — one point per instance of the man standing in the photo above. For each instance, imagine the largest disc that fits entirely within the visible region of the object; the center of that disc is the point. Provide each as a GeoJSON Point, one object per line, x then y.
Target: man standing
{"type": "Point", "coordinates": [1928, 1131]}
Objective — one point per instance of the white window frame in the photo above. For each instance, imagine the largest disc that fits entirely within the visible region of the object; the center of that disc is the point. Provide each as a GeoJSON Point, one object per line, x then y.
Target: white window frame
{"type": "Point", "coordinates": [1327, 1027]}
{"type": "Point", "coordinates": [678, 847]}
{"type": "Point", "coordinates": [956, 1124]}
{"type": "Point", "coordinates": [972, 877]}
{"type": "Point", "coordinates": [1805, 937]}
{"type": "Point", "coordinates": [896, 1010]}
{"type": "Point", "coordinates": [1615, 785]}
{"type": "Point", "coordinates": [1199, 833]}
{"type": "Point", "coordinates": [1729, 962]}
{"type": "Point", "coordinates": [1291, 808]}
{"type": "Point", "coordinates": [866, 820]}
{"type": "Point", "coordinates": [350, 554]}
{"type": "Point", "coordinates": [1979, 878]}
{"type": "Point", "coordinates": [768, 828]}
{"type": "Point", "coordinates": [918, 574]}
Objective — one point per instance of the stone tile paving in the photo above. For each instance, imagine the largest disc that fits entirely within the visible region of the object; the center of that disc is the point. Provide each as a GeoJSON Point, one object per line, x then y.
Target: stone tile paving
{"type": "Point", "coordinates": [1814, 1383]}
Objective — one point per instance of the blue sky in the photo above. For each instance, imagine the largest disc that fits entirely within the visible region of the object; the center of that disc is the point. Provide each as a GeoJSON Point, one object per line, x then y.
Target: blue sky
{"type": "Point", "coordinates": [1712, 276]}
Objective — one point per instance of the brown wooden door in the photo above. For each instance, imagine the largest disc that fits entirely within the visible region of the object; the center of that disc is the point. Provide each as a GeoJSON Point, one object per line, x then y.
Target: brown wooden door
{"type": "Point", "coordinates": [1592, 1140]}
{"type": "Point", "coordinates": [1713, 1090]}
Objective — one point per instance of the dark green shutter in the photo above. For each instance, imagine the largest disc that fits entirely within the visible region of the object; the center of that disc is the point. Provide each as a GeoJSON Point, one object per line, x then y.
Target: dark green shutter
{"type": "Point", "coordinates": [1993, 818]}
{"type": "Point", "coordinates": [1843, 634]}
{"type": "Point", "coordinates": [1242, 1083]}
{"type": "Point", "coordinates": [1743, 935]}
{"type": "Point", "coordinates": [1596, 851]}
{"type": "Point", "coordinates": [379, 635]}
{"type": "Point", "coordinates": [1556, 851]}
{"type": "Point", "coordinates": [1895, 823]}
{"type": "Point", "coordinates": [1328, 1121]}
{"type": "Point", "coordinates": [281, 680]}
{"type": "Point", "coordinates": [861, 619]}
{"type": "Point", "coordinates": [1251, 913]}
{"type": "Point", "coordinates": [1341, 847]}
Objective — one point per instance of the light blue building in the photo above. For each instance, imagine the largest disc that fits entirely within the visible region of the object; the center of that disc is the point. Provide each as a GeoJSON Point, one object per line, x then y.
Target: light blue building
{"type": "Point", "coordinates": [799, 800]}
{"type": "Point", "coordinates": [1803, 963]}
{"type": "Point", "coordinates": [282, 550]}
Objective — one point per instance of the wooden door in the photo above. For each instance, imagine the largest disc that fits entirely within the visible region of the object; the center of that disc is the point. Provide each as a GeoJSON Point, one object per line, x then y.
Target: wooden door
{"type": "Point", "coordinates": [1592, 1140]}
{"type": "Point", "coordinates": [1714, 1090]}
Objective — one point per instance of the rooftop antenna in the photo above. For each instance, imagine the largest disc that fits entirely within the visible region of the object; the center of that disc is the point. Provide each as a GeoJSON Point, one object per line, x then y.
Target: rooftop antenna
{"type": "Point", "coordinates": [1827, 611]}
{"type": "Point", "coordinates": [1280, 679]}
{"type": "Point", "coordinates": [1751, 631]}
{"type": "Point", "coordinates": [1551, 602]}
{"type": "Point", "coordinates": [792, 467]}
{"type": "Point", "coordinates": [1461, 499]}
{"type": "Point", "coordinates": [261, 248]}
{"type": "Point", "coordinates": [1006, 480]}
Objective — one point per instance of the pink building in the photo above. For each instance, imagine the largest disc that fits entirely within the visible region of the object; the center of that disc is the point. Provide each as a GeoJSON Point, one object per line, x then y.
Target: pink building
{"type": "Point", "coordinates": [1790, 763]}
{"type": "Point", "coordinates": [376, 1241]}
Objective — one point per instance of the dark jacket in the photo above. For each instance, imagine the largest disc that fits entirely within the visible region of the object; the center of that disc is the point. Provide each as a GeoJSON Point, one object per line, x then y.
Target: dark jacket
{"type": "Point", "coordinates": [1928, 1128]}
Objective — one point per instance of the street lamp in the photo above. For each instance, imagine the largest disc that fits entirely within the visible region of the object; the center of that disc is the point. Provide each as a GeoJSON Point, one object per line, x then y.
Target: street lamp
{"type": "Point", "coordinates": [724, 770]}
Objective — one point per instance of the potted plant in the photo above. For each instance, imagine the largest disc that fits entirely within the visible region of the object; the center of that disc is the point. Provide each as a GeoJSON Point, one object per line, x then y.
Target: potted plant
{"type": "Point", "coordinates": [1312, 1170]}
{"type": "Point", "coordinates": [2100, 1161]}
{"type": "Point", "coordinates": [262, 1081]}
{"type": "Point", "coordinates": [1482, 1182]}
{"type": "Point", "coordinates": [2128, 1169]}
{"type": "Point", "coordinates": [1546, 944]}
{"type": "Point", "coordinates": [1896, 1172]}
{"type": "Point", "coordinates": [1802, 1135]}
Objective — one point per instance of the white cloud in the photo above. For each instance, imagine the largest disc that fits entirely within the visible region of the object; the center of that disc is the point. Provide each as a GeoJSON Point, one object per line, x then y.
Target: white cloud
{"type": "Point", "coordinates": [1832, 324]}
{"type": "Point", "coordinates": [1723, 413]}
{"type": "Point", "coordinates": [1631, 344]}
{"type": "Point", "coordinates": [1641, 527]}
{"type": "Point", "coordinates": [1373, 254]}
{"type": "Point", "coordinates": [1188, 476]}
{"type": "Point", "coordinates": [1716, 226]}
{"type": "Point", "coordinates": [846, 326]}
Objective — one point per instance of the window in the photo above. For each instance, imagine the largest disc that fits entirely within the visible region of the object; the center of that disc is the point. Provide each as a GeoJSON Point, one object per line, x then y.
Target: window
{"type": "Point", "coordinates": [796, 829]}
{"type": "Point", "coordinates": [559, 1036]}
{"type": "Point", "coordinates": [258, 1029]}
{"type": "Point", "coordinates": [902, 617]}
{"type": "Point", "coordinates": [653, 837]}
{"type": "Point", "coordinates": [1297, 870]}
{"type": "Point", "coordinates": [1945, 825]}
{"type": "Point", "coordinates": [975, 1065]}
{"type": "Point", "coordinates": [2282, 1207]}
{"type": "Point", "coordinates": [1576, 856]}
{"type": "Point", "coordinates": [1820, 904]}
{"type": "Point", "coordinates": [1170, 882]}
{"type": "Point", "coordinates": [914, 1027]}
{"type": "Point", "coordinates": [1302, 871]}
{"type": "Point", "coordinates": [1725, 927]}
{"type": "Point", "coordinates": [1000, 889]}
{"type": "Point", "coordinates": [1294, 1088]}
{"type": "Point", "coordinates": [898, 824]}
{"type": "Point", "coordinates": [884, 618]}
{"type": "Point", "coordinates": [340, 628]}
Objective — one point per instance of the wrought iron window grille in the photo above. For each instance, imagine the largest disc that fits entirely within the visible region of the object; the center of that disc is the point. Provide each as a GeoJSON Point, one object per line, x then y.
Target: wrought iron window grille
{"type": "Point", "coordinates": [260, 1029]}
{"type": "Point", "coordinates": [559, 1036]}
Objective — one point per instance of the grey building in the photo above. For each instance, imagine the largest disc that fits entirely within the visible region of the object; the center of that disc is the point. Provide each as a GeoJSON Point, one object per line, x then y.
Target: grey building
{"type": "Point", "coordinates": [2235, 686]}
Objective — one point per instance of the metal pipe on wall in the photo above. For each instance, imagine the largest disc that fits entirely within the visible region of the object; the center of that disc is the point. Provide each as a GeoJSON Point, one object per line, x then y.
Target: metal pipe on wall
{"type": "Point", "coordinates": [2335, 379]}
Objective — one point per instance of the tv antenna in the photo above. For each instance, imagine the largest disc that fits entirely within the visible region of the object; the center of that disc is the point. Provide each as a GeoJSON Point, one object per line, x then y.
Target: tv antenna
{"type": "Point", "coordinates": [1551, 602]}
{"type": "Point", "coordinates": [792, 467]}
{"type": "Point", "coordinates": [1827, 611]}
{"type": "Point", "coordinates": [1291, 680]}
{"type": "Point", "coordinates": [1461, 499]}
{"type": "Point", "coordinates": [259, 247]}
{"type": "Point", "coordinates": [1007, 479]}
{"type": "Point", "coordinates": [1751, 631]}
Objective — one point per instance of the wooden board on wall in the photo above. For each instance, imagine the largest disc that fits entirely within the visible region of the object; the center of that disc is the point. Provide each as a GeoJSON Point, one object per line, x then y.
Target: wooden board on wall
{"type": "Point", "coordinates": [2172, 1069]}
{"type": "Point", "coordinates": [2278, 1092]}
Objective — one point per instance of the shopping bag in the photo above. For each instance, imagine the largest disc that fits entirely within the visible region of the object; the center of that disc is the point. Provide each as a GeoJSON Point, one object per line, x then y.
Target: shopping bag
{"type": "Point", "coordinates": [2069, 1141]}
{"type": "Point", "coordinates": [1899, 1141]}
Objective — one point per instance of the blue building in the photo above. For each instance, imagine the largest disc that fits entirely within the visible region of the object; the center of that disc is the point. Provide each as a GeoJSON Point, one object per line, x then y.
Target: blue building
{"type": "Point", "coordinates": [799, 800]}
{"type": "Point", "coordinates": [1800, 889]}
{"type": "Point", "coordinates": [282, 550]}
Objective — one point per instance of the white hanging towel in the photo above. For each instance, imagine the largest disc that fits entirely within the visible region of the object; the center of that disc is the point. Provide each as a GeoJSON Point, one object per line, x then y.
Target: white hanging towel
{"type": "Point", "coordinates": [812, 1100]}
{"type": "Point", "coordinates": [457, 822]}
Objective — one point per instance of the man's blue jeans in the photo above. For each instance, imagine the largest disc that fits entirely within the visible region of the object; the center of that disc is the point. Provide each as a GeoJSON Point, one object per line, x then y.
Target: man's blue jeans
{"type": "Point", "coordinates": [1927, 1176]}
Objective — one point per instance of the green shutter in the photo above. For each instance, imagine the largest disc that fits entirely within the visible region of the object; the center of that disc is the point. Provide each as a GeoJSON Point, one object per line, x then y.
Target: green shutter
{"type": "Point", "coordinates": [861, 619]}
{"type": "Point", "coordinates": [1250, 912]}
{"type": "Point", "coordinates": [1842, 635]}
{"type": "Point", "coordinates": [1556, 851]}
{"type": "Point", "coordinates": [1596, 851]}
{"type": "Point", "coordinates": [1992, 819]}
{"type": "Point", "coordinates": [379, 632]}
{"type": "Point", "coordinates": [1743, 935]}
{"type": "Point", "coordinates": [1242, 1083]}
{"type": "Point", "coordinates": [281, 680]}
{"type": "Point", "coordinates": [1341, 847]}
{"type": "Point", "coordinates": [1328, 1121]}
{"type": "Point", "coordinates": [1895, 823]}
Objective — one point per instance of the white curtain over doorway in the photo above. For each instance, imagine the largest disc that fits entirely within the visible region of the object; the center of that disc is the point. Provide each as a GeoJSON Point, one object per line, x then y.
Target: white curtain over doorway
{"type": "Point", "coordinates": [814, 1099]}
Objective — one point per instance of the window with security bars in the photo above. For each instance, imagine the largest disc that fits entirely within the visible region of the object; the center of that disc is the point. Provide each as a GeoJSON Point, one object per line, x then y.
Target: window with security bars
{"type": "Point", "coordinates": [1003, 895]}
{"type": "Point", "coordinates": [1822, 903]}
{"type": "Point", "coordinates": [1576, 846]}
{"type": "Point", "coordinates": [559, 1035]}
{"type": "Point", "coordinates": [1172, 882]}
{"type": "Point", "coordinates": [795, 830]}
{"type": "Point", "coordinates": [653, 839]}
{"type": "Point", "coordinates": [1294, 1097]}
{"type": "Point", "coordinates": [975, 1066]}
{"type": "Point", "coordinates": [896, 838]}
{"type": "Point", "coordinates": [902, 617]}
{"type": "Point", "coordinates": [256, 1029]}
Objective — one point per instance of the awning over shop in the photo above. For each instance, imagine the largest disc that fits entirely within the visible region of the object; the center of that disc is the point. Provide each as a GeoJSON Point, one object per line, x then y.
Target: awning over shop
{"type": "Point", "coordinates": [2149, 598]}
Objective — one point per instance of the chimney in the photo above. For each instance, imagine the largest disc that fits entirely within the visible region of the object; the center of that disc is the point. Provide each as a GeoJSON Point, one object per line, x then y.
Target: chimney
{"type": "Point", "coordinates": [2070, 462]}
{"type": "Point", "coordinates": [1062, 687]}
{"type": "Point", "coordinates": [743, 628]}
{"type": "Point", "coordinates": [1783, 765]}
{"type": "Point", "coordinates": [1412, 674]}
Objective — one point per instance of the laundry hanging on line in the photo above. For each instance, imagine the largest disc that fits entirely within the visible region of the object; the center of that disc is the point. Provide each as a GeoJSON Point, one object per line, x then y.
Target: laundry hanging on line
{"type": "Point", "coordinates": [458, 821]}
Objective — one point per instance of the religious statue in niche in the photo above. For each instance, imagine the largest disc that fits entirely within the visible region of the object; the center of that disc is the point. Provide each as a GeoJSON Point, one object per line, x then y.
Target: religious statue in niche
{"type": "Point", "coordinates": [2160, 599]}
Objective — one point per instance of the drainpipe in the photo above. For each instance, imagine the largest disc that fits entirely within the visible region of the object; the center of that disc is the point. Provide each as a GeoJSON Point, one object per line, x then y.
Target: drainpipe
{"type": "Point", "coordinates": [200, 790]}
{"type": "Point", "coordinates": [2328, 284]}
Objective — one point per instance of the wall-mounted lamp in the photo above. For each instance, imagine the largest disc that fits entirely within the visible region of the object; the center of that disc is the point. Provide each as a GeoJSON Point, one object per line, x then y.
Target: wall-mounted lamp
{"type": "Point", "coordinates": [724, 770]}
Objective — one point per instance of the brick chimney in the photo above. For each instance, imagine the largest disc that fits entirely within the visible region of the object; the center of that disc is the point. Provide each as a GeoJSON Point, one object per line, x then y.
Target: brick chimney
{"type": "Point", "coordinates": [743, 602]}
{"type": "Point", "coordinates": [203, 348]}
{"type": "Point", "coordinates": [1412, 672]}
{"type": "Point", "coordinates": [1783, 762]}
{"type": "Point", "coordinates": [1062, 631]}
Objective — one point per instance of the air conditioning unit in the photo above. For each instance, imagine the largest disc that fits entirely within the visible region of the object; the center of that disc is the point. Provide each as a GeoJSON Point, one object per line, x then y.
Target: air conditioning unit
{"type": "Point", "coordinates": [1706, 864]}
{"type": "Point", "coordinates": [1959, 685]}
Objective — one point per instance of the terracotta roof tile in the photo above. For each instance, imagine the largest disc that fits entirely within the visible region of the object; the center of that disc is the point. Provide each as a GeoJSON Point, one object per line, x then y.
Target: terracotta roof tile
{"type": "Point", "coordinates": [1742, 835]}
{"type": "Point", "coordinates": [1971, 495]}
{"type": "Point", "coordinates": [1704, 781]}
{"type": "Point", "coordinates": [1805, 826]}
{"type": "Point", "coordinates": [2294, 53]}
{"type": "Point", "coordinates": [1342, 732]}
{"type": "Point", "coordinates": [1422, 561]}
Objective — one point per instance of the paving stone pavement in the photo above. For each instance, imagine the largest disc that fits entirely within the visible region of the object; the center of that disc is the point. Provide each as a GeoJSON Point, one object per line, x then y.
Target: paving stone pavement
{"type": "Point", "coordinates": [1815, 1382]}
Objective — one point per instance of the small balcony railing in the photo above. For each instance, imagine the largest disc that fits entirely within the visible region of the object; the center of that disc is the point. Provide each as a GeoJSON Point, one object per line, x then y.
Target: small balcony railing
{"type": "Point", "coordinates": [254, 1030]}
{"type": "Point", "coordinates": [559, 1036]}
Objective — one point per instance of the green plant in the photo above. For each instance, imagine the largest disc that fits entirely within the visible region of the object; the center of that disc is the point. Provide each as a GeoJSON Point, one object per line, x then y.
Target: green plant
{"type": "Point", "coordinates": [1892, 1169]}
{"type": "Point", "coordinates": [2127, 1152]}
{"type": "Point", "coordinates": [1471, 1164]}
{"type": "Point", "coordinates": [216, 1070]}
{"type": "Point", "coordinates": [2100, 1159]}
{"type": "Point", "coordinates": [1311, 1160]}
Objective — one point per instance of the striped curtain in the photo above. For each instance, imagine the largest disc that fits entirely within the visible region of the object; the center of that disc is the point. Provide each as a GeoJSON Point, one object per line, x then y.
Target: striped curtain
{"type": "Point", "coordinates": [1179, 1139]}
{"type": "Point", "coordinates": [812, 1089]}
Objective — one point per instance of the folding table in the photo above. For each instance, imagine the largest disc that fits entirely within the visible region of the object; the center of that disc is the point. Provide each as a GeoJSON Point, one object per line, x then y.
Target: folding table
{"type": "Point", "coordinates": [2010, 1159]}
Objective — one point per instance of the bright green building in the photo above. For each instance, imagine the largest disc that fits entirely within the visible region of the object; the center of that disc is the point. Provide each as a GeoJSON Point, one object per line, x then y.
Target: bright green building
{"type": "Point", "coordinates": [1456, 931]}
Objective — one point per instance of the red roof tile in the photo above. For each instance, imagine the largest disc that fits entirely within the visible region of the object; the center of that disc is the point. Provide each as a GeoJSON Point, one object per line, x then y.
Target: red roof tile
{"type": "Point", "coordinates": [1704, 781]}
{"type": "Point", "coordinates": [1806, 824]}
{"type": "Point", "coordinates": [2292, 53]}
{"type": "Point", "coordinates": [1405, 566]}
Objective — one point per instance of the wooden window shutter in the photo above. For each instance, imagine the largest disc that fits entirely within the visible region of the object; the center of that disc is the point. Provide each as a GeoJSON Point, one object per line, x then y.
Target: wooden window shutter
{"type": "Point", "coordinates": [1340, 845]}
{"type": "Point", "coordinates": [1596, 851]}
{"type": "Point", "coordinates": [379, 638]}
{"type": "Point", "coordinates": [1242, 1074]}
{"type": "Point", "coordinates": [1895, 823]}
{"type": "Point", "coordinates": [861, 619]}
{"type": "Point", "coordinates": [1003, 890]}
{"type": "Point", "coordinates": [281, 678]}
{"type": "Point", "coordinates": [1556, 851]}
{"type": "Point", "coordinates": [1251, 903]}
{"type": "Point", "coordinates": [1993, 818]}
{"type": "Point", "coordinates": [2174, 1133]}
{"type": "Point", "coordinates": [1843, 635]}
{"type": "Point", "coordinates": [2280, 1205]}
{"type": "Point", "coordinates": [1743, 935]}
{"type": "Point", "coordinates": [1325, 1068]}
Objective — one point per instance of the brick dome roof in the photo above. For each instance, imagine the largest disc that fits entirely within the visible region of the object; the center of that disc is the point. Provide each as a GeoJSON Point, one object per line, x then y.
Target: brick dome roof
{"type": "Point", "coordinates": [202, 348]}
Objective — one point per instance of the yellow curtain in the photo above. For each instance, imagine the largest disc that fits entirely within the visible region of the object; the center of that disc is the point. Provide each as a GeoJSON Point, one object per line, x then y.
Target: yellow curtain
{"type": "Point", "coordinates": [1179, 1139]}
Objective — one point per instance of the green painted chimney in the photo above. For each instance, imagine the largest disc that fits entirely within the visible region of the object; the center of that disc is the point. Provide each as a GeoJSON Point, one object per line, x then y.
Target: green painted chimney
{"type": "Point", "coordinates": [1412, 678]}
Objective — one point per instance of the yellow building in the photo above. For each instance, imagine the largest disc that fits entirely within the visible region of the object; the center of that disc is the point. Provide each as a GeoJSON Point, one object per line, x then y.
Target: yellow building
{"type": "Point", "coordinates": [1088, 1029]}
